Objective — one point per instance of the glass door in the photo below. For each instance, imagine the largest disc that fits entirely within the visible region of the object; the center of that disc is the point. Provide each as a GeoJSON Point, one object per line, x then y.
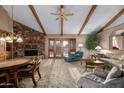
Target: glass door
{"type": "Point", "coordinates": [51, 48]}
{"type": "Point", "coordinates": [72, 46]}
{"type": "Point", "coordinates": [58, 49]}
{"type": "Point", "coordinates": [65, 48]}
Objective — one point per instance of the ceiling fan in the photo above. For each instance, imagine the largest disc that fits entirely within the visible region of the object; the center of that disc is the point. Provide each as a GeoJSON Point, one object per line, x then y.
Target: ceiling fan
{"type": "Point", "coordinates": [62, 14]}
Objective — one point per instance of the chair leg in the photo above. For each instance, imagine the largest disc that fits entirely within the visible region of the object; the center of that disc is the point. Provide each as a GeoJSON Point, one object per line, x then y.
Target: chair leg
{"type": "Point", "coordinates": [7, 80]}
{"type": "Point", "coordinates": [81, 62]}
{"type": "Point", "coordinates": [39, 73]}
{"type": "Point", "coordinates": [33, 79]}
{"type": "Point", "coordinates": [16, 80]}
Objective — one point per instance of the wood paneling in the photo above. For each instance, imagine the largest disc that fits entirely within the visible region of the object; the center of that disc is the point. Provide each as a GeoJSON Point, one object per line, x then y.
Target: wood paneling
{"type": "Point", "coordinates": [62, 6]}
{"type": "Point", "coordinates": [32, 39]}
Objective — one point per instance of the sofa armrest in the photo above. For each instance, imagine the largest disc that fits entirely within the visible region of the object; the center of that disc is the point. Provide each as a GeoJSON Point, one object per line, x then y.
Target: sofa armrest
{"type": "Point", "coordinates": [84, 82]}
{"type": "Point", "coordinates": [114, 83]}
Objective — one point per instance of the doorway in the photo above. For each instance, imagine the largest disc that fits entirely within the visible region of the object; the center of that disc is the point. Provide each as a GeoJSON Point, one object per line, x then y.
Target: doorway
{"type": "Point", "coordinates": [59, 48]}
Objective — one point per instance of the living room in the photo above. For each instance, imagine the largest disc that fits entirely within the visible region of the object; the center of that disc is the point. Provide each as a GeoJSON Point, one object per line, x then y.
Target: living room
{"type": "Point", "coordinates": [62, 43]}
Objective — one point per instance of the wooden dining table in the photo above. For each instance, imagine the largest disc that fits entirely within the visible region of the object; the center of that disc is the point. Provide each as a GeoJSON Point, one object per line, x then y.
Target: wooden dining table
{"type": "Point", "coordinates": [13, 63]}
{"type": "Point", "coordinates": [10, 66]}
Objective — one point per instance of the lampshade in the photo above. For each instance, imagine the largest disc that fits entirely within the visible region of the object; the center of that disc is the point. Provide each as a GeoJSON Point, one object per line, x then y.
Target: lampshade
{"type": "Point", "coordinates": [2, 39]}
{"type": "Point", "coordinates": [19, 40]}
{"type": "Point", "coordinates": [80, 45]}
{"type": "Point", "coordinates": [98, 48]}
{"type": "Point", "coordinates": [9, 39]}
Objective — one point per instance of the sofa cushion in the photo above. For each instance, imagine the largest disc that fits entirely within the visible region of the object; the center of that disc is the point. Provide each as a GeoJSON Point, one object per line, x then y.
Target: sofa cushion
{"type": "Point", "coordinates": [113, 62]}
{"type": "Point", "coordinates": [92, 76]}
{"type": "Point", "coordinates": [109, 55]}
{"type": "Point", "coordinates": [115, 72]}
{"type": "Point", "coordinates": [118, 57]}
{"type": "Point", "coordinates": [100, 72]}
{"type": "Point", "coordinates": [121, 58]}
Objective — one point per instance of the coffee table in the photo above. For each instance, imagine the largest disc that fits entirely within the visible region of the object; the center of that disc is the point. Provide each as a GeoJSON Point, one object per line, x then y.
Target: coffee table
{"type": "Point", "coordinates": [94, 64]}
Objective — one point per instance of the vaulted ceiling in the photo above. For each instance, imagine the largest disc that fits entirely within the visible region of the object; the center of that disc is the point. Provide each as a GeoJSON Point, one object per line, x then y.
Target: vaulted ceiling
{"type": "Point", "coordinates": [98, 17]}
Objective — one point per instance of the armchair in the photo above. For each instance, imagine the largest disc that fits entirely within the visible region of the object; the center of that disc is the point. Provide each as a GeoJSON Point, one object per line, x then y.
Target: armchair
{"type": "Point", "coordinates": [75, 57]}
{"type": "Point", "coordinates": [5, 76]}
{"type": "Point", "coordinates": [93, 80]}
{"type": "Point", "coordinates": [27, 72]}
{"type": "Point", "coordinates": [90, 83]}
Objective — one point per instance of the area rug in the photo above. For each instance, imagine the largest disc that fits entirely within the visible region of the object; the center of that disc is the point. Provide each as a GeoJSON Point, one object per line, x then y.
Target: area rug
{"type": "Point", "coordinates": [56, 73]}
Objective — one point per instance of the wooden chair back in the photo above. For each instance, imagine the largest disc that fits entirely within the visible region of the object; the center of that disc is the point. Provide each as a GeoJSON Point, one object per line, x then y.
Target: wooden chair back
{"type": "Point", "coordinates": [36, 62]}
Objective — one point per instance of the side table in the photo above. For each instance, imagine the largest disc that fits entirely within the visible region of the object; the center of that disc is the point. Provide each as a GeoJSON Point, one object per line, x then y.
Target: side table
{"type": "Point", "coordinates": [94, 64]}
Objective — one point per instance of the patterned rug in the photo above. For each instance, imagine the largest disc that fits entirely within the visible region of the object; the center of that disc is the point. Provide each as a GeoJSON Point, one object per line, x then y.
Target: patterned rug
{"type": "Point", "coordinates": [56, 73]}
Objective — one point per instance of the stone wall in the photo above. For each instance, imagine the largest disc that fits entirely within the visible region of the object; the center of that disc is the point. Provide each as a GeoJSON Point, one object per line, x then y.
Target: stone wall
{"type": "Point", "coordinates": [32, 39]}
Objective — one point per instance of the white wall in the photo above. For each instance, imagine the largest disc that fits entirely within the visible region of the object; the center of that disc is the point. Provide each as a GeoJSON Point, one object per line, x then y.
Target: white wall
{"type": "Point", "coordinates": [5, 20]}
{"type": "Point", "coordinates": [105, 44]}
{"type": "Point", "coordinates": [106, 35]}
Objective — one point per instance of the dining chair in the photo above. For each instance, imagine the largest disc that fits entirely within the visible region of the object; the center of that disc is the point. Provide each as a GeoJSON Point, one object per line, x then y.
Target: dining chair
{"type": "Point", "coordinates": [5, 77]}
{"type": "Point", "coordinates": [28, 72]}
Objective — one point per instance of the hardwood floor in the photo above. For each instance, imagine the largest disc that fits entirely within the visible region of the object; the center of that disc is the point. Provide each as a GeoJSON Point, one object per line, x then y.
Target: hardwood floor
{"type": "Point", "coordinates": [57, 73]}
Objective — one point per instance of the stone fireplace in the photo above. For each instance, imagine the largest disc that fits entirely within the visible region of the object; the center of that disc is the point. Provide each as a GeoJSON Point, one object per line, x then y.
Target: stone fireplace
{"type": "Point", "coordinates": [32, 40]}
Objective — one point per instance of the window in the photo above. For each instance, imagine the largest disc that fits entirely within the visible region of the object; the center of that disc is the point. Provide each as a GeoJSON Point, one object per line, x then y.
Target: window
{"type": "Point", "coordinates": [114, 43]}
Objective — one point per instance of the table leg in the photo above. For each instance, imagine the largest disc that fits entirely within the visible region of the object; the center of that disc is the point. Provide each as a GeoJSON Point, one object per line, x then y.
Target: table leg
{"type": "Point", "coordinates": [85, 67]}
{"type": "Point", "coordinates": [81, 62]}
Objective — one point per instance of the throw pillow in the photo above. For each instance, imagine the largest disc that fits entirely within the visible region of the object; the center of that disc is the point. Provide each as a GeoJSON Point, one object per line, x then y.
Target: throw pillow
{"type": "Point", "coordinates": [100, 72]}
{"type": "Point", "coordinates": [115, 72]}
{"type": "Point", "coordinates": [121, 58]}
{"type": "Point", "coordinates": [118, 57]}
{"type": "Point", "coordinates": [109, 55]}
{"type": "Point", "coordinates": [91, 76]}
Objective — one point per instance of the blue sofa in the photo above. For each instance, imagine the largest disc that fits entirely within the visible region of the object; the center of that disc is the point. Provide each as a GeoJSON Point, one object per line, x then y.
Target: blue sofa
{"type": "Point", "coordinates": [75, 57]}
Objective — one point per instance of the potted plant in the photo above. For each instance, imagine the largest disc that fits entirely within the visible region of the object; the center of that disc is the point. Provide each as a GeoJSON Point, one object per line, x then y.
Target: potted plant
{"type": "Point", "coordinates": [92, 41]}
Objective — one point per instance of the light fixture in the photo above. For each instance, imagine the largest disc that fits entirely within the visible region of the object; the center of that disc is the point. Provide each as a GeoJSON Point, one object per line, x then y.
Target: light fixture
{"type": "Point", "coordinates": [9, 39]}
{"type": "Point", "coordinates": [98, 48]}
{"type": "Point", "coordinates": [19, 39]}
{"type": "Point", "coordinates": [2, 39]}
{"type": "Point", "coordinates": [80, 45]}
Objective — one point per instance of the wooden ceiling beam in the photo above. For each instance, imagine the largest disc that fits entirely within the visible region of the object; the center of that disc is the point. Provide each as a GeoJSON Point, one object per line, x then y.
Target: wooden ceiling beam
{"type": "Point", "coordinates": [115, 17]}
{"type": "Point", "coordinates": [62, 6]}
{"type": "Point", "coordinates": [62, 26]}
{"type": "Point", "coordinates": [87, 18]}
{"type": "Point", "coordinates": [37, 18]}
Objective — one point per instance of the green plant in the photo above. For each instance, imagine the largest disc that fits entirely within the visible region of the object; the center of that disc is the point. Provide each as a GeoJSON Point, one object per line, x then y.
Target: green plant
{"type": "Point", "coordinates": [92, 41]}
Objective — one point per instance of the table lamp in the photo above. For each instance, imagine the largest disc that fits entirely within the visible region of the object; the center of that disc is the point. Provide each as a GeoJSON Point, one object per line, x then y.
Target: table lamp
{"type": "Point", "coordinates": [98, 48]}
{"type": "Point", "coordinates": [80, 45]}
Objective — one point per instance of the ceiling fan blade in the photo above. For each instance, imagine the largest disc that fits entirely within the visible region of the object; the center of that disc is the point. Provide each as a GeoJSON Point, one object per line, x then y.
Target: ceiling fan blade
{"type": "Point", "coordinates": [64, 18]}
{"type": "Point", "coordinates": [57, 18]}
{"type": "Point", "coordinates": [55, 14]}
{"type": "Point", "coordinates": [68, 14]}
